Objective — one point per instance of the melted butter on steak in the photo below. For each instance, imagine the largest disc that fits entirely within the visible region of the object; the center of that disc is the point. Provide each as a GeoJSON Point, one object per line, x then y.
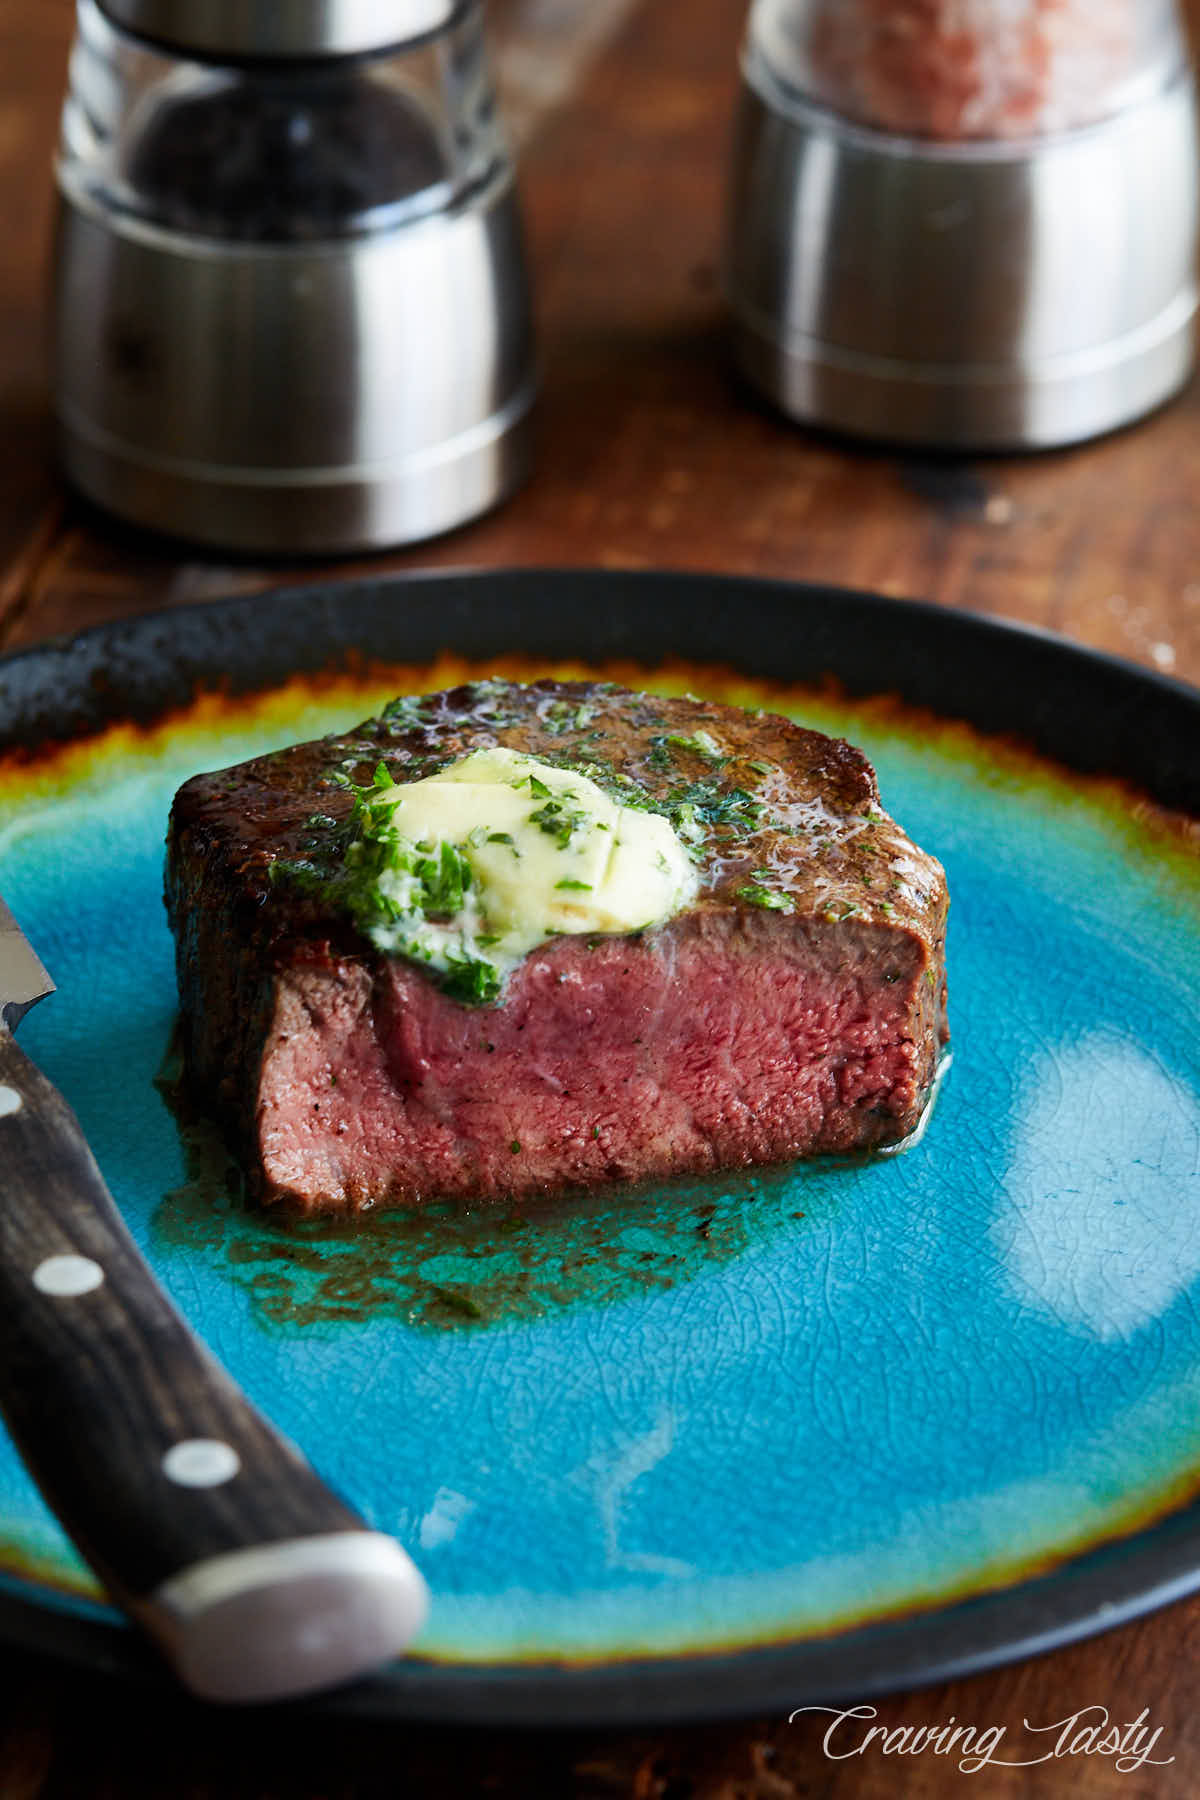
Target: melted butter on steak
{"type": "Point", "coordinates": [796, 1005]}
{"type": "Point", "coordinates": [467, 870]}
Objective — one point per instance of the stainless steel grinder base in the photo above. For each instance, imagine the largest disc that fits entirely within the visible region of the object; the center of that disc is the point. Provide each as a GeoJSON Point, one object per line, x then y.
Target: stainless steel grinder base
{"type": "Point", "coordinates": [967, 295]}
{"type": "Point", "coordinates": [295, 398]}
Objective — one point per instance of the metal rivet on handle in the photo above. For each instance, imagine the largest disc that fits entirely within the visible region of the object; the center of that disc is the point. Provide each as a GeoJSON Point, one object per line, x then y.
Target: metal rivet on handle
{"type": "Point", "coordinates": [63, 1277]}
{"type": "Point", "coordinates": [201, 1462]}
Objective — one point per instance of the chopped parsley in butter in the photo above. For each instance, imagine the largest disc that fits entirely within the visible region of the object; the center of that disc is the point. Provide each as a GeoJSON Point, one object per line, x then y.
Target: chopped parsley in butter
{"type": "Point", "coordinates": [470, 869]}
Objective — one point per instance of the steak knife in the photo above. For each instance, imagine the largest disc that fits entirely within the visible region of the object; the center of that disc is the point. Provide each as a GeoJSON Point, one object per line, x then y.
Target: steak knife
{"type": "Point", "coordinates": [206, 1526]}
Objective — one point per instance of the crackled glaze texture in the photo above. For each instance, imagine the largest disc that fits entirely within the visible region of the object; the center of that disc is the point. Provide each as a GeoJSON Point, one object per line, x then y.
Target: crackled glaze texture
{"type": "Point", "coordinates": [734, 1412]}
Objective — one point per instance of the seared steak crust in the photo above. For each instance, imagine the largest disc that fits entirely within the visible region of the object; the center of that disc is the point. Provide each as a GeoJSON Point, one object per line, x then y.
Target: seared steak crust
{"type": "Point", "coordinates": [798, 1006]}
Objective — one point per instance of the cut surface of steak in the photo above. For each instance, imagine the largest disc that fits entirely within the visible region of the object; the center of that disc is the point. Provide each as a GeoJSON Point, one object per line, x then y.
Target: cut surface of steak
{"type": "Point", "coordinates": [796, 1006]}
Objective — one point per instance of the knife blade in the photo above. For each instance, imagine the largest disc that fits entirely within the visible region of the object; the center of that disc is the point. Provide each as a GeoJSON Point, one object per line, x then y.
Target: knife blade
{"type": "Point", "coordinates": [22, 977]}
{"type": "Point", "coordinates": [206, 1525]}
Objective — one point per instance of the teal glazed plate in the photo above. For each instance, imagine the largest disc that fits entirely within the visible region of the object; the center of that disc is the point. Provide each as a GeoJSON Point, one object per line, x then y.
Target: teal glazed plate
{"type": "Point", "coordinates": [742, 1443]}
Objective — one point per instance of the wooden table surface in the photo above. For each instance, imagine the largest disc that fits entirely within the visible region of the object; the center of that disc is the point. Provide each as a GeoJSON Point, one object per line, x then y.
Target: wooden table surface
{"type": "Point", "coordinates": [650, 455]}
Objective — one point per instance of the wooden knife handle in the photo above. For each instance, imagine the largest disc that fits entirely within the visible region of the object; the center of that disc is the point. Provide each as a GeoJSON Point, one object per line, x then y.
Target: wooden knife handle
{"type": "Point", "coordinates": [204, 1523]}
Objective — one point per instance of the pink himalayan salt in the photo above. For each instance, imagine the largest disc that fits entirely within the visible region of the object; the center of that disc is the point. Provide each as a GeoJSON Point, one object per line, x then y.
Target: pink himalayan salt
{"type": "Point", "coordinates": [971, 68]}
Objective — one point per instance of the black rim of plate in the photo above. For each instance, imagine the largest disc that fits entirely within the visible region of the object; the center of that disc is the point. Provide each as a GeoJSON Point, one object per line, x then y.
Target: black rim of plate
{"type": "Point", "coordinates": [1091, 712]}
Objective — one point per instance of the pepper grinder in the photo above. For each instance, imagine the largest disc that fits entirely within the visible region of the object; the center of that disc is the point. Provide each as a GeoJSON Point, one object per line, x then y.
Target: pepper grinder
{"type": "Point", "coordinates": [291, 302]}
{"type": "Point", "coordinates": [965, 224]}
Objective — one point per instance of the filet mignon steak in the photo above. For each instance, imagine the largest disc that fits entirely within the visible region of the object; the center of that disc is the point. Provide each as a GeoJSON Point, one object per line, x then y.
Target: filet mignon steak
{"type": "Point", "coordinates": [796, 1006]}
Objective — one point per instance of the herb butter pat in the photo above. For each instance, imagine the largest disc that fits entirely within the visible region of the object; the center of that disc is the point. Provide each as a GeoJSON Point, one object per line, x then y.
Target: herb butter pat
{"type": "Point", "coordinates": [472, 868]}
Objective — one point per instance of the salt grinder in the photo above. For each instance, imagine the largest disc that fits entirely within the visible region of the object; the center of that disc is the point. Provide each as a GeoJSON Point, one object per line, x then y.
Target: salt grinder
{"type": "Point", "coordinates": [965, 226]}
{"type": "Point", "coordinates": [292, 310]}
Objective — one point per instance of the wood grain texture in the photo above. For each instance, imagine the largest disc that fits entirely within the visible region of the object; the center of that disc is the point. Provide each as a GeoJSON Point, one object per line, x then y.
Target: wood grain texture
{"type": "Point", "coordinates": [99, 1386]}
{"type": "Point", "coordinates": [651, 453]}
